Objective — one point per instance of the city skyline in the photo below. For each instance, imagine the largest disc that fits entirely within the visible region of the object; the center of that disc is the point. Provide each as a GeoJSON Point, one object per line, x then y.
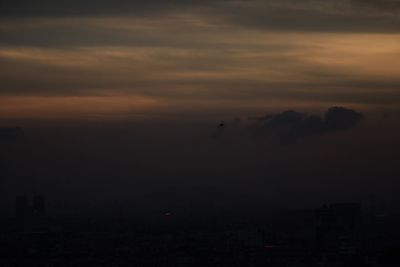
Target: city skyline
{"type": "Point", "coordinates": [200, 133]}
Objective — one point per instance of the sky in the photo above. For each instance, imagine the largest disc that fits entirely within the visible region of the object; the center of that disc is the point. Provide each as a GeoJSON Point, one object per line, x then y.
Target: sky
{"type": "Point", "coordinates": [124, 58]}
{"type": "Point", "coordinates": [123, 98]}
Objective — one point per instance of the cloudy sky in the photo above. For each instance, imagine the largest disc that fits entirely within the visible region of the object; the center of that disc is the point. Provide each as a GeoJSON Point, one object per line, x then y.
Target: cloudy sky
{"type": "Point", "coordinates": [117, 59]}
{"type": "Point", "coordinates": [119, 98]}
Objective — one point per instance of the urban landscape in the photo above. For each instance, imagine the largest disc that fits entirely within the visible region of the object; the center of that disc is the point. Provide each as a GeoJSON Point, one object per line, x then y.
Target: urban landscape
{"type": "Point", "coordinates": [339, 234]}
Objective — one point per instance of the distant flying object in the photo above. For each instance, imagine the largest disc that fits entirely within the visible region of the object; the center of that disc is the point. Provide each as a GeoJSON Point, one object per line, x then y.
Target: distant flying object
{"type": "Point", "coordinates": [219, 129]}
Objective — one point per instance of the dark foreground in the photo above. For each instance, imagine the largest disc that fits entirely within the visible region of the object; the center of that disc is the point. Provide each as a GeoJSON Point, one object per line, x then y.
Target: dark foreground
{"type": "Point", "coordinates": [332, 235]}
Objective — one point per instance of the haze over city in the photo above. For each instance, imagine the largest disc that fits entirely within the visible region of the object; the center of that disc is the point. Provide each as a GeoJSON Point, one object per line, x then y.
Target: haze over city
{"type": "Point", "coordinates": [165, 107]}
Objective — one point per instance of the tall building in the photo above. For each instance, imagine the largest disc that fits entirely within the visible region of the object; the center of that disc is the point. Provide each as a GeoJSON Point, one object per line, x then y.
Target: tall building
{"type": "Point", "coordinates": [338, 229]}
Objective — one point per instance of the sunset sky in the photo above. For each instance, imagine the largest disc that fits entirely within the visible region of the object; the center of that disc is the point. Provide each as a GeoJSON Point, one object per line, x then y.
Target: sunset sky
{"type": "Point", "coordinates": [117, 99]}
{"type": "Point", "coordinates": [120, 59]}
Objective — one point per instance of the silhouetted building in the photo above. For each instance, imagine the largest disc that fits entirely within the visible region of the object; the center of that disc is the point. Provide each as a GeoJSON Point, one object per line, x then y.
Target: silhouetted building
{"type": "Point", "coordinates": [338, 229]}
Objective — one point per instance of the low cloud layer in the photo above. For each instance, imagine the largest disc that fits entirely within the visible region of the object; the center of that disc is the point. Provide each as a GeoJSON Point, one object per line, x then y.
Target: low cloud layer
{"type": "Point", "coordinates": [290, 126]}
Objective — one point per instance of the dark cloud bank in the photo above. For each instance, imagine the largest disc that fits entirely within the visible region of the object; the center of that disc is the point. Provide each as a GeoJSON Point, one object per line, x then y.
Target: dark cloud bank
{"type": "Point", "coordinates": [290, 126]}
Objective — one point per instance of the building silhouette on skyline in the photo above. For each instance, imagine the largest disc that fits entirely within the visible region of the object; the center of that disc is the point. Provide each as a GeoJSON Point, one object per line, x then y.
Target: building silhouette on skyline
{"type": "Point", "coordinates": [338, 229]}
